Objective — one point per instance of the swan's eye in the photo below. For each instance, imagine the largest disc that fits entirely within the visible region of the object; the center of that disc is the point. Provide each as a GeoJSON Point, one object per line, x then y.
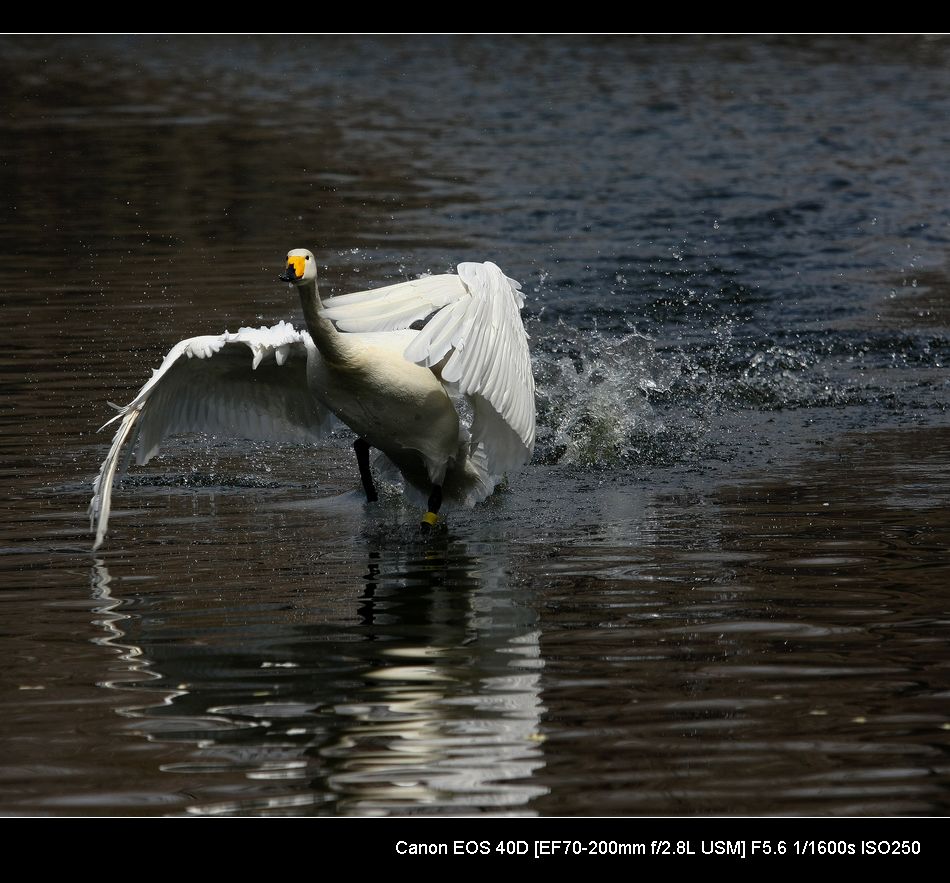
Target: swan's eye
{"type": "Point", "coordinates": [308, 257]}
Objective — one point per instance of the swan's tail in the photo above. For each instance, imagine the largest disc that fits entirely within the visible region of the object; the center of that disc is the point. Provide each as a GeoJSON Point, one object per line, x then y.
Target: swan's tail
{"type": "Point", "coordinates": [101, 502]}
{"type": "Point", "coordinates": [469, 480]}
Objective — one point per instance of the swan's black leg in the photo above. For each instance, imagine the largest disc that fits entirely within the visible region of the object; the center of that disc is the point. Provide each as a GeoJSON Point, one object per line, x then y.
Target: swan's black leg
{"type": "Point", "coordinates": [361, 446]}
{"type": "Point", "coordinates": [435, 502]}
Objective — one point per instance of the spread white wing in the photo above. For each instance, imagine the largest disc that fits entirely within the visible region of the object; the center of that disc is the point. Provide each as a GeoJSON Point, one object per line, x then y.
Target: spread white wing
{"type": "Point", "coordinates": [477, 330]}
{"type": "Point", "coordinates": [251, 384]}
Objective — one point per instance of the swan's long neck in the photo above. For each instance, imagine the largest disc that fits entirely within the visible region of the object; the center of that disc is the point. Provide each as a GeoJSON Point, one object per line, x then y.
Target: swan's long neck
{"type": "Point", "coordinates": [333, 345]}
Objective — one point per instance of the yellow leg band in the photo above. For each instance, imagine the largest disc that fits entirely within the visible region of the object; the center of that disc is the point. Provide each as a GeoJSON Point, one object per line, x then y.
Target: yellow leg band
{"type": "Point", "coordinates": [430, 518]}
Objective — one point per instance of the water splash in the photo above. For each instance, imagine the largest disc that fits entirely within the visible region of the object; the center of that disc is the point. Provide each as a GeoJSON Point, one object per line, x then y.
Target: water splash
{"type": "Point", "coordinates": [593, 397]}
{"type": "Point", "coordinates": [623, 401]}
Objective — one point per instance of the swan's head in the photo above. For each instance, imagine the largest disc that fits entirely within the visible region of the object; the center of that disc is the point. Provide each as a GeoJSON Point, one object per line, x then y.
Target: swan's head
{"type": "Point", "coordinates": [301, 267]}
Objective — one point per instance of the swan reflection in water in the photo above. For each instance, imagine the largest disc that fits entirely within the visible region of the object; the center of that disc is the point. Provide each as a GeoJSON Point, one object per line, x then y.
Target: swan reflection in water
{"type": "Point", "coordinates": [422, 697]}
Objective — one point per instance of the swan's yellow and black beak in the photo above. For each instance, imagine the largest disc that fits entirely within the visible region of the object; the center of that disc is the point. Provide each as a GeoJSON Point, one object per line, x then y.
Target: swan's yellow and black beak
{"type": "Point", "coordinates": [294, 271]}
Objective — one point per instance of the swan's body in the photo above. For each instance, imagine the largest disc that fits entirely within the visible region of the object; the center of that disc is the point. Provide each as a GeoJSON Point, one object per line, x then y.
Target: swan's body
{"type": "Point", "coordinates": [394, 385]}
{"type": "Point", "coordinates": [394, 404]}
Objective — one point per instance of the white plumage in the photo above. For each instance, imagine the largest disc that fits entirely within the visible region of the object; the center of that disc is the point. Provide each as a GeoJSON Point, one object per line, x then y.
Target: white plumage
{"type": "Point", "coordinates": [396, 386]}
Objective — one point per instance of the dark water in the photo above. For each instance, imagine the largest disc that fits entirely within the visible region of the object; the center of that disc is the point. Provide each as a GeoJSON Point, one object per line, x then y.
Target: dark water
{"type": "Point", "coordinates": [722, 586]}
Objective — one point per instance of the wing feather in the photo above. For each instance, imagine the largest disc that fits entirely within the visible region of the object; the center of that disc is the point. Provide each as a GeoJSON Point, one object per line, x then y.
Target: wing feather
{"type": "Point", "coordinates": [478, 326]}
{"type": "Point", "coordinates": [210, 384]}
{"type": "Point", "coordinates": [393, 307]}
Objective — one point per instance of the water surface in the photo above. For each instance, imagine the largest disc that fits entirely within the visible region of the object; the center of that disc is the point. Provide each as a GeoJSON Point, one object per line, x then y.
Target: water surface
{"type": "Point", "coordinates": [721, 587]}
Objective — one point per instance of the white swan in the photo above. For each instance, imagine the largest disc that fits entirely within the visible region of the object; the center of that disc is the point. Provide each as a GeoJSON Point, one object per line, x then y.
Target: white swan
{"type": "Point", "coordinates": [390, 363]}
